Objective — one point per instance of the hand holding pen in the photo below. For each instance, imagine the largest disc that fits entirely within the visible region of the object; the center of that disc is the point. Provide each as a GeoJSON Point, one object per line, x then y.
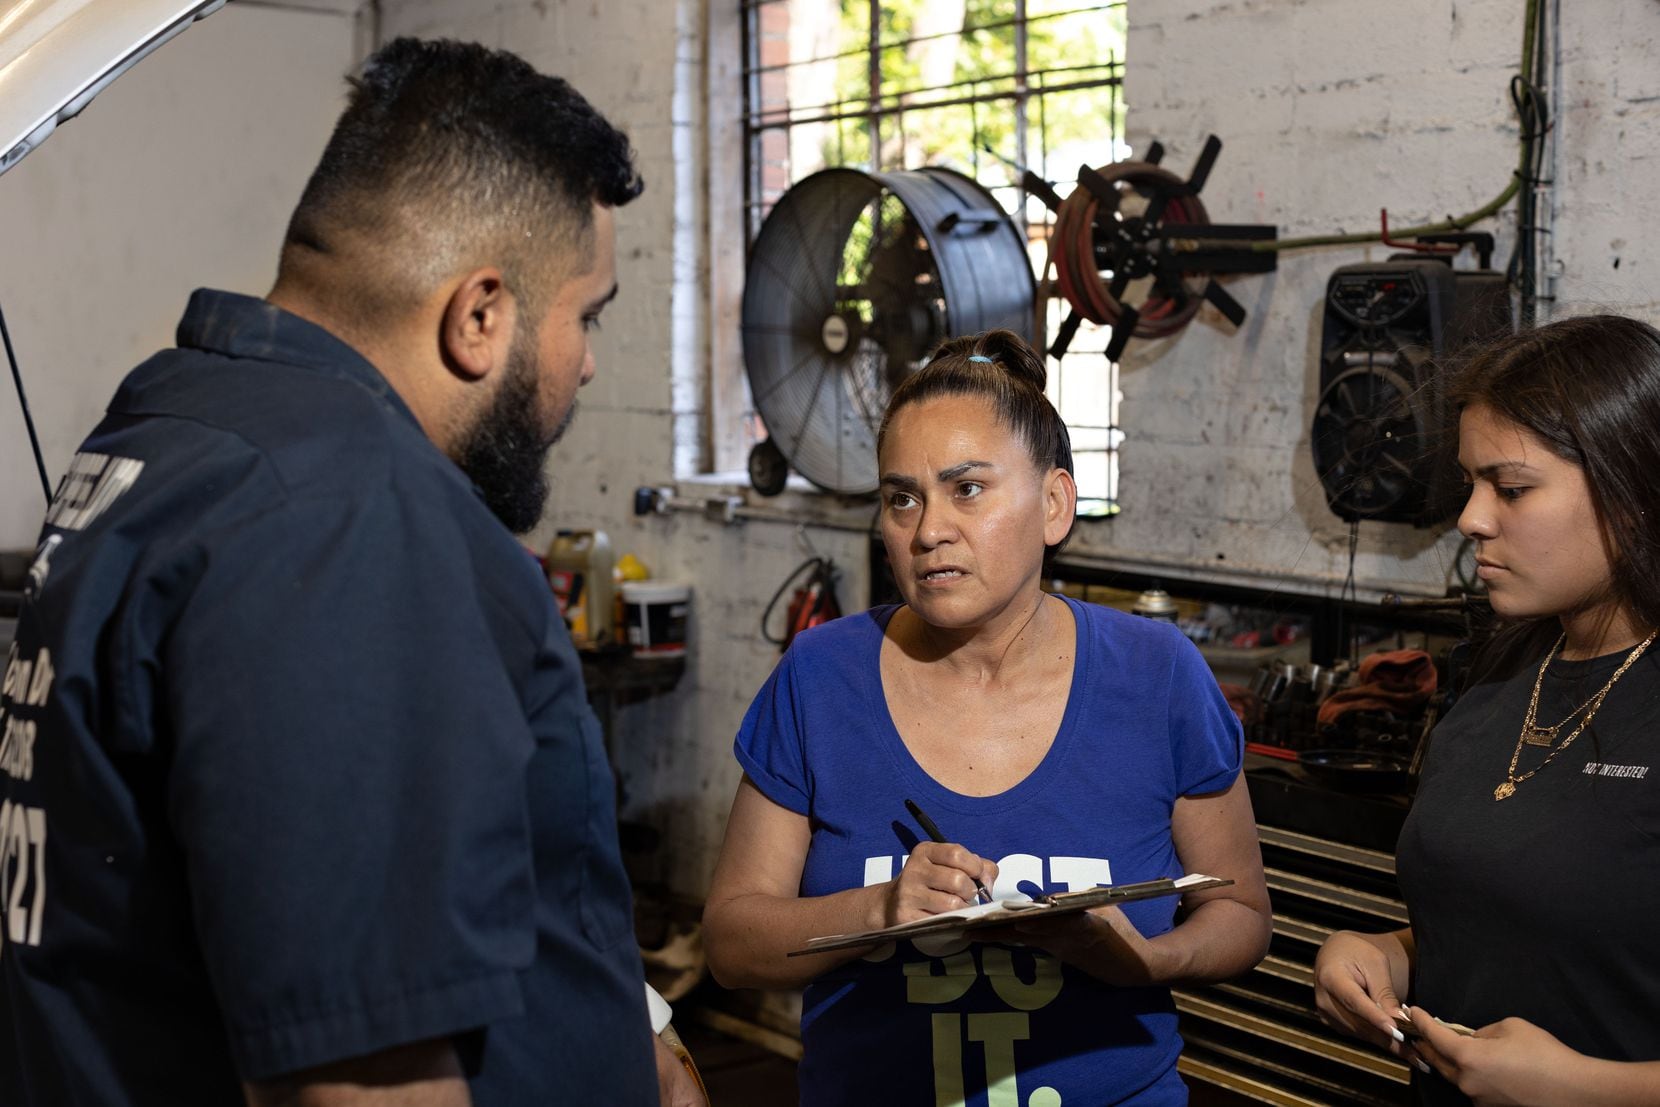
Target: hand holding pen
{"type": "Point", "coordinates": [963, 862]}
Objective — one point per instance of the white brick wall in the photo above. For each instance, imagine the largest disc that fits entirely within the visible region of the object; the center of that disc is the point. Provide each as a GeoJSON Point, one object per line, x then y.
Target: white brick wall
{"type": "Point", "coordinates": [1608, 210]}
{"type": "Point", "coordinates": [1330, 110]}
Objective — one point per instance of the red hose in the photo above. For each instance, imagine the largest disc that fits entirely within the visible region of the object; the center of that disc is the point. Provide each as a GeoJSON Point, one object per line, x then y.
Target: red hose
{"type": "Point", "coordinates": [1072, 251]}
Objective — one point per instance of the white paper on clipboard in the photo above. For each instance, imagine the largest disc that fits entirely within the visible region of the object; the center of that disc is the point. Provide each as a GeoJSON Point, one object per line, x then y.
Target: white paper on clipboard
{"type": "Point", "coordinates": [1014, 910]}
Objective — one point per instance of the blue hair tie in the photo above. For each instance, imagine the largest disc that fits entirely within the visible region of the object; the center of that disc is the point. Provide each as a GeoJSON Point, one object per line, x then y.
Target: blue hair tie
{"type": "Point", "coordinates": [981, 357]}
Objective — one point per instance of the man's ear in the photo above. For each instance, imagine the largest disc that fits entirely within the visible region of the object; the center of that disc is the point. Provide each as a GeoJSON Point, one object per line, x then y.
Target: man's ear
{"type": "Point", "coordinates": [476, 330]}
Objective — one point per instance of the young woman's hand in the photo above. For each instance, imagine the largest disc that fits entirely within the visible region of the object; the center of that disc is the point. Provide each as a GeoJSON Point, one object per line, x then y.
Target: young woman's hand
{"type": "Point", "coordinates": [937, 877]}
{"type": "Point", "coordinates": [1509, 1062]}
{"type": "Point", "coordinates": [1358, 983]}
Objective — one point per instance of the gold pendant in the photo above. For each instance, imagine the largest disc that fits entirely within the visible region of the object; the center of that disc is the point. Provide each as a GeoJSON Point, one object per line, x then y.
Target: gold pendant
{"type": "Point", "coordinates": [1540, 736]}
{"type": "Point", "coordinates": [1505, 790]}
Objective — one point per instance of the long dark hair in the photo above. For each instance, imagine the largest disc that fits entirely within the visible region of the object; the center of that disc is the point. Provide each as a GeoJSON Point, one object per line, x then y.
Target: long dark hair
{"type": "Point", "coordinates": [1589, 388]}
{"type": "Point", "coordinates": [1000, 368]}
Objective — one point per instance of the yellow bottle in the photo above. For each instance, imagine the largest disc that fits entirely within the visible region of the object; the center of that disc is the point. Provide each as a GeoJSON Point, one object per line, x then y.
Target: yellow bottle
{"type": "Point", "coordinates": [579, 565]}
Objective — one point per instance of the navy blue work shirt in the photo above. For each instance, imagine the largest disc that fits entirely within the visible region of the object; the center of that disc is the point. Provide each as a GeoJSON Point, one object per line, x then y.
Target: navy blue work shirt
{"type": "Point", "coordinates": [296, 760]}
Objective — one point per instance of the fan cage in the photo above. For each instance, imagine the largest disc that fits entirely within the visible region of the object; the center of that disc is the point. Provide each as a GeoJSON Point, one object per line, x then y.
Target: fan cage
{"type": "Point", "coordinates": [853, 279]}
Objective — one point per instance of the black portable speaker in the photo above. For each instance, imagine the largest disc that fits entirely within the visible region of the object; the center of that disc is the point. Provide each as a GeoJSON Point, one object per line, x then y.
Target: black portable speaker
{"type": "Point", "coordinates": [1384, 439]}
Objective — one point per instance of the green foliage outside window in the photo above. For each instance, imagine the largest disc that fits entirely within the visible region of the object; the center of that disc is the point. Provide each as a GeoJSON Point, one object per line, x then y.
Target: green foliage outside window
{"type": "Point", "coordinates": [1061, 49]}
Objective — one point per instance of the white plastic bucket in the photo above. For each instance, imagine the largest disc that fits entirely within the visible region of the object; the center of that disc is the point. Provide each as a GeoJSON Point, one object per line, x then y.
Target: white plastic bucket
{"type": "Point", "coordinates": [654, 612]}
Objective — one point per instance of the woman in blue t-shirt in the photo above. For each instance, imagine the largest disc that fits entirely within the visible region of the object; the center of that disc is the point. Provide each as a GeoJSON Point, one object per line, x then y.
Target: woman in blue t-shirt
{"type": "Point", "coordinates": [1059, 746]}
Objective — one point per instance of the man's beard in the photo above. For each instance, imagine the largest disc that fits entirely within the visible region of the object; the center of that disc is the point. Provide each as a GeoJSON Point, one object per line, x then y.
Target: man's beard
{"type": "Point", "coordinates": [505, 451]}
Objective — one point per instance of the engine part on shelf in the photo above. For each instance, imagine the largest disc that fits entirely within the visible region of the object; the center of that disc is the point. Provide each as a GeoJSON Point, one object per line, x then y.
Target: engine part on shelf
{"type": "Point", "coordinates": [1155, 603]}
{"type": "Point", "coordinates": [1383, 440]}
{"type": "Point", "coordinates": [852, 280]}
{"type": "Point", "coordinates": [1135, 227]}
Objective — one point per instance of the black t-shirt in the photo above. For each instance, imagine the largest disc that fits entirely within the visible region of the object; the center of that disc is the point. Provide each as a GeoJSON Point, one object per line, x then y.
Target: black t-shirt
{"type": "Point", "coordinates": [296, 762]}
{"type": "Point", "coordinates": [1543, 905]}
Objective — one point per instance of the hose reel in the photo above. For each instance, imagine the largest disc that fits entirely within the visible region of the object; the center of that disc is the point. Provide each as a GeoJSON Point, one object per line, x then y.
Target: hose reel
{"type": "Point", "coordinates": [1135, 227]}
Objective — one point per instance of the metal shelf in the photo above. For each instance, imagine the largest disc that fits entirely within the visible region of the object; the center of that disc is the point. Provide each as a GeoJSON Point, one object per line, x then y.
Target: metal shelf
{"type": "Point", "coordinates": [1259, 1035]}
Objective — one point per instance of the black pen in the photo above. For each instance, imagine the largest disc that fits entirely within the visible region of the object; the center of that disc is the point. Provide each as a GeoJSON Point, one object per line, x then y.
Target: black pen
{"type": "Point", "coordinates": [933, 832]}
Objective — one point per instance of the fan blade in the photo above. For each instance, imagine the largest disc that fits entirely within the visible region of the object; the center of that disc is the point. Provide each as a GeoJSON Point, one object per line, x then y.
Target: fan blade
{"type": "Point", "coordinates": [792, 285]}
{"type": "Point", "coordinates": [1041, 188]}
{"type": "Point", "coordinates": [1155, 153]}
{"type": "Point", "coordinates": [795, 440]}
{"type": "Point", "coordinates": [866, 263]}
{"type": "Point", "coordinates": [1063, 337]}
{"type": "Point", "coordinates": [897, 366]}
{"type": "Point", "coordinates": [1226, 304]}
{"type": "Point", "coordinates": [823, 282]}
{"type": "Point", "coordinates": [1201, 168]}
{"type": "Point", "coordinates": [1121, 333]}
{"type": "Point", "coordinates": [813, 353]}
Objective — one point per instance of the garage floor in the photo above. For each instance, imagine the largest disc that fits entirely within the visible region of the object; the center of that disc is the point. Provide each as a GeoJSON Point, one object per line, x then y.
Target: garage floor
{"type": "Point", "coordinates": [737, 1073]}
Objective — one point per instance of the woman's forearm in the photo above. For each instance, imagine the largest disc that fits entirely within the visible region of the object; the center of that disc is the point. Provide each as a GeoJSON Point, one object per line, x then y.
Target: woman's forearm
{"type": "Point", "coordinates": [1222, 938]}
{"type": "Point", "coordinates": [748, 937]}
{"type": "Point", "coordinates": [1598, 1083]}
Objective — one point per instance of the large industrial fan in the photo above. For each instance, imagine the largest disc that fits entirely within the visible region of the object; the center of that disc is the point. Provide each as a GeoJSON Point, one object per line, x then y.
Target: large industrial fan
{"type": "Point", "coordinates": [853, 279]}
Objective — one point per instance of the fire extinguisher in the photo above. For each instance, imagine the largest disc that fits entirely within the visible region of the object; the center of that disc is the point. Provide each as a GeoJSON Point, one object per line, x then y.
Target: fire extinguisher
{"type": "Point", "coordinates": [814, 601]}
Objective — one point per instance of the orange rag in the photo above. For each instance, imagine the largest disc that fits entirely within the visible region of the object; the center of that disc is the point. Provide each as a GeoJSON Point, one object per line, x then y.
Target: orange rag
{"type": "Point", "coordinates": [1400, 681]}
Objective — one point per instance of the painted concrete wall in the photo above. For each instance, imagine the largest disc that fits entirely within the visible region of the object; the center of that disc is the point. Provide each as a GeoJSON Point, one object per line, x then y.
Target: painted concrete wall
{"type": "Point", "coordinates": [180, 174]}
{"type": "Point", "coordinates": [1607, 215]}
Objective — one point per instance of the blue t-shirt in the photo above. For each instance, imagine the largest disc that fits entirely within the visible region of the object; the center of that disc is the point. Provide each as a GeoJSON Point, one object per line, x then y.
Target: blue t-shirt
{"type": "Point", "coordinates": [308, 771]}
{"type": "Point", "coordinates": [979, 1023]}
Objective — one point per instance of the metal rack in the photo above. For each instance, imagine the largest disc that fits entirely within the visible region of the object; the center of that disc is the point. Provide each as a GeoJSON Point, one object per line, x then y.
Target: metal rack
{"type": "Point", "coordinates": [1258, 1036]}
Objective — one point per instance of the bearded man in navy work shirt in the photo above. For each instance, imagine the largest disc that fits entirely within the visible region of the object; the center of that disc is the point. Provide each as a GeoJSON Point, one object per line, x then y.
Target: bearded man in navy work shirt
{"type": "Point", "coordinates": [302, 801]}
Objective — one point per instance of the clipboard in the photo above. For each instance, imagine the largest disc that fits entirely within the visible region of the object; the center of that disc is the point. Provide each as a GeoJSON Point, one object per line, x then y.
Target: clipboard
{"type": "Point", "coordinates": [1007, 911]}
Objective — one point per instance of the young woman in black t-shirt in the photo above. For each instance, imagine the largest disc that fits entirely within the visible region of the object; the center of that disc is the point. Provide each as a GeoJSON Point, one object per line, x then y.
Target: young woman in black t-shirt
{"type": "Point", "coordinates": [1530, 857]}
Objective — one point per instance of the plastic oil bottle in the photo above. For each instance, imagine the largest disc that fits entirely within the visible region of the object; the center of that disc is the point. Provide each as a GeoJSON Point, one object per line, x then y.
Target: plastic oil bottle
{"type": "Point", "coordinates": [579, 565]}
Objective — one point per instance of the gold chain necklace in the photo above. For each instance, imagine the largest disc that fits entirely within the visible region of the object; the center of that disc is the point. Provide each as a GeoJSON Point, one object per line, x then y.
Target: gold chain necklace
{"type": "Point", "coordinates": [1535, 735]}
{"type": "Point", "coordinates": [1531, 731]}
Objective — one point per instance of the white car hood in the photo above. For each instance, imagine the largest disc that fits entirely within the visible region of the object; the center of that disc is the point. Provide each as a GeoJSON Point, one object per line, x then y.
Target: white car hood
{"type": "Point", "coordinates": [56, 55]}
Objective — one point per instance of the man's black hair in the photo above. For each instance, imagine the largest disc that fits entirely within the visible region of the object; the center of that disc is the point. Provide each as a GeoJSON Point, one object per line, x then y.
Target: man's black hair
{"type": "Point", "coordinates": [451, 153]}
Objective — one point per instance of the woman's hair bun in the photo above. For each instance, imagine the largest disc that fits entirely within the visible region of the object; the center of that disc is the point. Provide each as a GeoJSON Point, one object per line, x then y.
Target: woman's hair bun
{"type": "Point", "coordinates": [1011, 352]}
